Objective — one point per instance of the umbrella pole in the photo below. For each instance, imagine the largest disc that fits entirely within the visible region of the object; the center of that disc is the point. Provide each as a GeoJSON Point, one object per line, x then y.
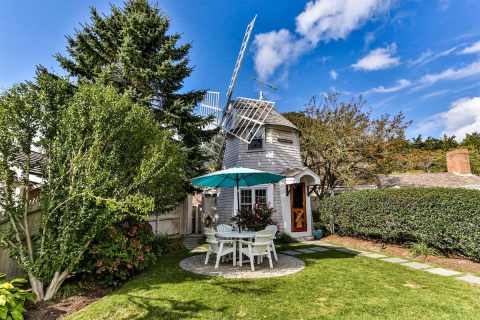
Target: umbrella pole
{"type": "Point", "coordinates": [238, 194]}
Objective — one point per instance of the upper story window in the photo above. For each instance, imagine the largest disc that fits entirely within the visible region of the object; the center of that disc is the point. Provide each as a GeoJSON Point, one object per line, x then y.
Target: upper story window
{"type": "Point", "coordinates": [256, 144]}
{"type": "Point", "coordinates": [257, 141]}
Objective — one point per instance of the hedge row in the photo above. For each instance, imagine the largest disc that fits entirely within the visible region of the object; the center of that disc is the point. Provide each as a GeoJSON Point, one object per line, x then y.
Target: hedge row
{"type": "Point", "coordinates": [445, 219]}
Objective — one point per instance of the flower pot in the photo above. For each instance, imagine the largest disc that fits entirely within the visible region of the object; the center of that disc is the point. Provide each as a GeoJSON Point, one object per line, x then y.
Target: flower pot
{"type": "Point", "coordinates": [317, 234]}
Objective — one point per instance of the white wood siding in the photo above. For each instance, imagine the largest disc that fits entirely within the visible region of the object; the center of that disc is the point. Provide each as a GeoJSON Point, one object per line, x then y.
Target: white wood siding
{"type": "Point", "coordinates": [274, 157]}
{"type": "Point", "coordinates": [277, 205]}
{"type": "Point", "coordinates": [225, 205]}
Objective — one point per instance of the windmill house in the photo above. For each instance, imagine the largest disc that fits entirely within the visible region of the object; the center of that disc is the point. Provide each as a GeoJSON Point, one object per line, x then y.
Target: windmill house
{"type": "Point", "coordinates": [257, 136]}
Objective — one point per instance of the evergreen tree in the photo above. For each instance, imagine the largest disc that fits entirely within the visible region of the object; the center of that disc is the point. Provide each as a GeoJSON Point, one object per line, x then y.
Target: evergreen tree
{"type": "Point", "coordinates": [132, 50]}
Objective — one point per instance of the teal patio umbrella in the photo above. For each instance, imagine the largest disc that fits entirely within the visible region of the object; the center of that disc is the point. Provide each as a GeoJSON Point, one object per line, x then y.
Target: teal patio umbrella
{"type": "Point", "coordinates": [236, 177]}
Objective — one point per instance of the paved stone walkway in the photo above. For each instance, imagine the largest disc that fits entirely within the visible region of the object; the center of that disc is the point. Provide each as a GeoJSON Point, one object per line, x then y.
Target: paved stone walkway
{"type": "Point", "coordinates": [322, 247]}
{"type": "Point", "coordinates": [284, 266]}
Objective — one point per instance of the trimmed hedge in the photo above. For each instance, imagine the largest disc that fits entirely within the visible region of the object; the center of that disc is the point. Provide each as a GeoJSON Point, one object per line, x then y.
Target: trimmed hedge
{"type": "Point", "coordinates": [445, 219]}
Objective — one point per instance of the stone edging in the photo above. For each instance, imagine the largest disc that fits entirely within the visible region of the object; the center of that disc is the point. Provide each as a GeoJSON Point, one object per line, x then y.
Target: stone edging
{"type": "Point", "coordinates": [285, 265]}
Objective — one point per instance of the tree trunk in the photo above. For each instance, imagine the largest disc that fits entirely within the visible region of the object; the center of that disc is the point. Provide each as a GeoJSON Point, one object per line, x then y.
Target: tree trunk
{"type": "Point", "coordinates": [37, 287]}
{"type": "Point", "coordinates": [55, 284]}
{"type": "Point", "coordinates": [26, 189]}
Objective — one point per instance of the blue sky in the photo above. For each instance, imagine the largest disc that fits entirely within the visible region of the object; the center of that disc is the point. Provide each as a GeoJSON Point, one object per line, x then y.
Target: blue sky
{"type": "Point", "coordinates": [419, 57]}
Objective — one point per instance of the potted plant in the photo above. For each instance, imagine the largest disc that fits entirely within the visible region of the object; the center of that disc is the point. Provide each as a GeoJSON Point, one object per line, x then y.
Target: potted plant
{"type": "Point", "coordinates": [319, 231]}
{"type": "Point", "coordinates": [255, 220]}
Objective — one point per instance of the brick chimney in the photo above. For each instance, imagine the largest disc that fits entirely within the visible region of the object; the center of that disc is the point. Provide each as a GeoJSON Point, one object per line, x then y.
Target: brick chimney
{"type": "Point", "coordinates": [458, 161]}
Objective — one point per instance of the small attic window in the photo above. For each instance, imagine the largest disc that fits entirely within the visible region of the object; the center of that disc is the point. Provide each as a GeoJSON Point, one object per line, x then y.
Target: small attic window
{"type": "Point", "coordinates": [283, 140]}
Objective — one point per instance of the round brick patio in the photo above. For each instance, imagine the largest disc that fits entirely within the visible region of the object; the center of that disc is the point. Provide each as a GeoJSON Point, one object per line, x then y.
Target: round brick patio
{"type": "Point", "coordinates": [284, 266]}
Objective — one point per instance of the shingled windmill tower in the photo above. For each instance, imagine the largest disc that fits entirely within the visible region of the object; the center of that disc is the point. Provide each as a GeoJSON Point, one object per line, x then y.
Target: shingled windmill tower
{"type": "Point", "coordinates": [258, 137]}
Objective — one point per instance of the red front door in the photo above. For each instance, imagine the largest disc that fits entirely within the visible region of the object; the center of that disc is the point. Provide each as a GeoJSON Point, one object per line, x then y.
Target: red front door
{"type": "Point", "coordinates": [298, 207]}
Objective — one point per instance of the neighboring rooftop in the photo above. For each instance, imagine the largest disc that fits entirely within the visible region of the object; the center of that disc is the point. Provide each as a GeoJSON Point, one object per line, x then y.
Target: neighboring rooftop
{"type": "Point", "coordinates": [442, 179]}
{"type": "Point", "coordinates": [35, 162]}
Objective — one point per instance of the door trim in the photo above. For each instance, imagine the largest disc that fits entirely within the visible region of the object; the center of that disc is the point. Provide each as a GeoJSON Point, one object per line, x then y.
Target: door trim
{"type": "Point", "coordinates": [293, 211]}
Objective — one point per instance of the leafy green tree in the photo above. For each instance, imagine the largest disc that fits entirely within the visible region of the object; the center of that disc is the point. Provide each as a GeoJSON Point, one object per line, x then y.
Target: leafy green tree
{"type": "Point", "coordinates": [214, 150]}
{"type": "Point", "coordinates": [417, 142]}
{"type": "Point", "coordinates": [343, 145]}
{"type": "Point", "coordinates": [106, 158]}
{"type": "Point", "coordinates": [132, 50]}
{"type": "Point", "coordinates": [472, 140]}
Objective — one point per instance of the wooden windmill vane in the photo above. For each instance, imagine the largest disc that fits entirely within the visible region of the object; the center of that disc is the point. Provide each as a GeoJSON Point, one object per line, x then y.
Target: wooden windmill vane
{"type": "Point", "coordinates": [240, 117]}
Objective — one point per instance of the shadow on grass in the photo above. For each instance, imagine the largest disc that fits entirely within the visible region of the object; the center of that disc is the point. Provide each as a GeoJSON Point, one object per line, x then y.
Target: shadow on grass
{"type": "Point", "coordinates": [245, 287]}
{"type": "Point", "coordinates": [312, 258]}
{"type": "Point", "coordinates": [165, 308]}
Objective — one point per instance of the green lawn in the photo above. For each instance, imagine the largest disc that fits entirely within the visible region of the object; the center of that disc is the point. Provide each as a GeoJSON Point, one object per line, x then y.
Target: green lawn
{"type": "Point", "coordinates": [333, 285]}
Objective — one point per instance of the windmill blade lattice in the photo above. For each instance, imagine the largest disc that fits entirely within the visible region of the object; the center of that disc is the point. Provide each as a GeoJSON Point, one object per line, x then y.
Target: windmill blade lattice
{"type": "Point", "coordinates": [238, 63]}
{"type": "Point", "coordinates": [247, 117]}
{"type": "Point", "coordinates": [210, 106]}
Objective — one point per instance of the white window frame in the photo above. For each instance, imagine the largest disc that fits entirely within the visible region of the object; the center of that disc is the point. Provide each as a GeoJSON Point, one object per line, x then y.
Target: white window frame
{"type": "Point", "coordinates": [261, 134]}
{"type": "Point", "coordinates": [268, 187]}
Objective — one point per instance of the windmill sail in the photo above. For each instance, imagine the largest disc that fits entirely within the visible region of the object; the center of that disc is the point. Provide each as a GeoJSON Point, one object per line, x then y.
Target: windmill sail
{"type": "Point", "coordinates": [241, 117]}
{"type": "Point", "coordinates": [247, 117]}
{"type": "Point", "coordinates": [210, 107]}
{"type": "Point", "coordinates": [239, 61]}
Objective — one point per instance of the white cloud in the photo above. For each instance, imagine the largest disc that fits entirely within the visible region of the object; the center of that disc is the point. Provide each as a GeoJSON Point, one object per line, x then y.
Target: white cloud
{"type": "Point", "coordinates": [428, 56]}
{"type": "Point", "coordinates": [332, 20]}
{"type": "Point", "coordinates": [430, 79]}
{"type": "Point", "coordinates": [381, 58]}
{"type": "Point", "coordinates": [474, 48]}
{"type": "Point", "coordinates": [333, 74]}
{"type": "Point", "coordinates": [321, 20]}
{"type": "Point", "coordinates": [435, 94]}
{"type": "Point", "coordinates": [422, 59]}
{"type": "Point", "coordinates": [401, 84]}
{"type": "Point", "coordinates": [274, 49]}
{"type": "Point", "coordinates": [450, 74]}
{"type": "Point", "coordinates": [463, 117]}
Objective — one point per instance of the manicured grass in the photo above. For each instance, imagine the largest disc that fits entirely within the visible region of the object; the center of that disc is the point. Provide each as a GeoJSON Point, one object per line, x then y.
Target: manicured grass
{"type": "Point", "coordinates": [333, 285]}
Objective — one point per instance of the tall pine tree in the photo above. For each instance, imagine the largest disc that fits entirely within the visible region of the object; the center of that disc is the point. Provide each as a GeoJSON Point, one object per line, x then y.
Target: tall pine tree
{"type": "Point", "coordinates": [131, 49]}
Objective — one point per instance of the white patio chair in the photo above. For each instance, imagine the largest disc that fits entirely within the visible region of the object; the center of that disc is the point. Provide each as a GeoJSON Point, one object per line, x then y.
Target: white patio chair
{"type": "Point", "coordinates": [218, 247]}
{"type": "Point", "coordinates": [273, 228]}
{"type": "Point", "coordinates": [224, 228]}
{"type": "Point", "coordinates": [259, 248]}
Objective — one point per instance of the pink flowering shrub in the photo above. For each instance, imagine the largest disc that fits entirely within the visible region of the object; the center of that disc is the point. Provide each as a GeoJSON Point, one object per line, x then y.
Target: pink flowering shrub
{"type": "Point", "coordinates": [119, 252]}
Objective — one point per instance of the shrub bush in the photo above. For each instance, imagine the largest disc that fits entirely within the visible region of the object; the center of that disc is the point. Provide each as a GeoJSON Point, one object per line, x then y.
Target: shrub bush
{"type": "Point", "coordinates": [444, 219]}
{"type": "Point", "coordinates": [12, 298]}
{"type": "Point", "coordinates": [164, 244]}
{"type": "Point", "coordinates": [120, 252]}
{"type": "Point", "coordinates": [421, 249]}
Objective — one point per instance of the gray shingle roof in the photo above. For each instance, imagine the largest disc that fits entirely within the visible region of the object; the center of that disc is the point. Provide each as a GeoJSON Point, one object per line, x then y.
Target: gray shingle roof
{"type": "Point", "coordinates": [35, 162]}
{"type": "Point", "coordinates": [275, 118]}
{"type": "Point", "coordinates": [441, 179]}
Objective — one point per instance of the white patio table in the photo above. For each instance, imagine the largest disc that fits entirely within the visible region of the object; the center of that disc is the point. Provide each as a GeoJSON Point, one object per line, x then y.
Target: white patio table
{"type": "Point", "coordinates": [236, 236]}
